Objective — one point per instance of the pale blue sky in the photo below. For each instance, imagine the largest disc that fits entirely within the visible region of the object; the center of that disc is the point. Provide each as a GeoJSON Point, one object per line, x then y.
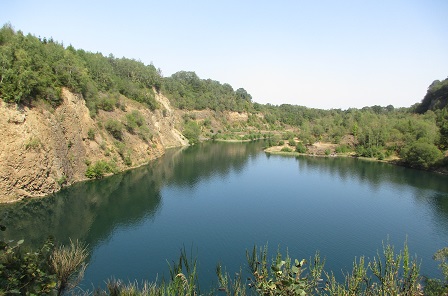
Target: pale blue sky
{"type": "Point", "coordinates": [316, 53]}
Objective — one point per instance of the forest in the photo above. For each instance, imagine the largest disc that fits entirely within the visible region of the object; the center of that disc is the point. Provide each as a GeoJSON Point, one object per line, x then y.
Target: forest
{"type": "Point", "coordinates": [35, 69]}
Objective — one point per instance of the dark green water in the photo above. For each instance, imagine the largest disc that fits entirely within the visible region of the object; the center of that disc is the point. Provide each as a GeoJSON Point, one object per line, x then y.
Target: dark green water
{"type": "Point", "coordinates": [219, 199]}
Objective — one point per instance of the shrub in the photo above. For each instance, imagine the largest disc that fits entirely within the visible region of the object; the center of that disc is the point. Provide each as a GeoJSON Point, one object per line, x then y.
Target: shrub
{"type": "Point", "coordinates": [134, 120]}
{"type": "Point", "coordinates": [124, 153]}
{"type": "Point", "coordinates": [33, 143]}
{"type": "Point", "coordinates": [144, 133]}
{"type": "Point", "coordinates": [287, 136]}
{"type": "Point", "coordinates": [115, 128]}
{"type": "Point", "coordinates": [91, 134]}
{"type": "Point", "coordinates": [286, 149]}
{"type": "Point", "coordinates": [45, 271]}
{"type": "Point", "coordinates": [372, 151]}
{"type": "Point", "coordinates": [106, 104]}
{"type": "Point", "coordinates": [127, 159]}
{"type": "Point", "coordinates": [62, 180]}
{"type": "Point", "coordinates": [25, 273]}
{"type": "Point", "coordinates": [421, 154]}
{"type": "Point", "coordinates": [192, 131]}
{"type": "Point", "coordinates": [69, 265]}
{"type": "Point", "coordinates": [342, 149]}
{"type": "Point", "coordinates": [99, 169]}
{"type": "Point", "coordinates": [300, 147]}
{"type": "Point", "coordinates": [283, 277]}
{"type": "Point", "coordinates": [207, 123]}
{"type": "Point", "coordinates": [435, 287]}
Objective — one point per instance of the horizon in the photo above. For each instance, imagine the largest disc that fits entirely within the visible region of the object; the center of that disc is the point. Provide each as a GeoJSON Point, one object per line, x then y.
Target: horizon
{"type": "Point", "coordinates": [319, 55]}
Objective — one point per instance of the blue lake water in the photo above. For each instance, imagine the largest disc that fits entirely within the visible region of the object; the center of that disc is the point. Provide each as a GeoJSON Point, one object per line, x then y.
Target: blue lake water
{"type": "Point", "coordinates": [217, 200]}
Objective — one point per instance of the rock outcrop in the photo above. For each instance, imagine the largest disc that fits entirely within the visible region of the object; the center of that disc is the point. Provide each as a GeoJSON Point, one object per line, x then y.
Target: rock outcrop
{"type": "Point", "coordinates": [43, 148]}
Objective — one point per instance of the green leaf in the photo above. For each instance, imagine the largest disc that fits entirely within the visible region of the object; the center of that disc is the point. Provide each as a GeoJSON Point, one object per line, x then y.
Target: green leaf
{"type": "Point", "coordinates": [52, 285]}
{"type": "Point", "coordinates": [20, 242]}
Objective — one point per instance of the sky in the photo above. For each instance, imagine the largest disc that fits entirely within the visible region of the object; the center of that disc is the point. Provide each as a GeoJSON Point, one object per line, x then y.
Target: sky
{"type": "Point", "coordinates": [327, 54]}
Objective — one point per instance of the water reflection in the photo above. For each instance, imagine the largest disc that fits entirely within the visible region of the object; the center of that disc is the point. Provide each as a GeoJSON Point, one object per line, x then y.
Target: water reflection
{"type": "Point", "coordinates": [241, 196]}
{"type": "Point", "coordinates": [426, 188]}
{"type": "Point", "coordinates": [212, 159]}
{"type": "Point", "coordinates": [372, 173]}
{"type": "Point", "coordinates": [87, 211]}
{"type": "Point", "coordinates": [90, 211]}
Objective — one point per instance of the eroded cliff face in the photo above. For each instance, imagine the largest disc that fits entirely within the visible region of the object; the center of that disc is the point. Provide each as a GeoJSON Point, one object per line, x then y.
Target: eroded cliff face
{"type": "Point", "coordinates": [42, 149]}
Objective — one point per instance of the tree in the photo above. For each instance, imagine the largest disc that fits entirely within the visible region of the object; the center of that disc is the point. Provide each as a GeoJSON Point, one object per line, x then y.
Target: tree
{"type": "Point", "coordinates": [192, 131]}
{"type": "Point", "coordinates": [421, 154]}
{"type": "Point", "coordinates": [436, 97]}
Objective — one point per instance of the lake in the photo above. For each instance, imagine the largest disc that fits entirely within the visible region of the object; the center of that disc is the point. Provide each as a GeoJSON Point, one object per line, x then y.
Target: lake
{"type": "Point", "coordinates": [217, 200]}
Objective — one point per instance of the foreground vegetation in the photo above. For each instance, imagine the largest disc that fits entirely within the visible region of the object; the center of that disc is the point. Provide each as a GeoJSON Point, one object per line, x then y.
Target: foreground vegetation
{"type": "Point", "coordinates": [56, 270]}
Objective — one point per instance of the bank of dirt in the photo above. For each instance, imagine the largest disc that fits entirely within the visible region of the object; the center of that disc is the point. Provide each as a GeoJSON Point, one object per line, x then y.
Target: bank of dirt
{"type": "Point", "coordinates": [45, 148]}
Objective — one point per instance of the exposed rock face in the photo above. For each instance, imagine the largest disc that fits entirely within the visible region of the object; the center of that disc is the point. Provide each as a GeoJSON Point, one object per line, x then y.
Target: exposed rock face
{"type": "Point", "coordinates": [42, 148]}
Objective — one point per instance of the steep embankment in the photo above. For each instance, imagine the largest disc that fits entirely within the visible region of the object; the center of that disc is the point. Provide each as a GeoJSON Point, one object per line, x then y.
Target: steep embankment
{"type": "Point", "coordinates": [43, 149]}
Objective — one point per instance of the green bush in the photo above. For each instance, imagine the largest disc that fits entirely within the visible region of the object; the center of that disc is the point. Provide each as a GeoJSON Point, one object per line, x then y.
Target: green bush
{"type": "Point", "coordinates": [99, 169]}
{"type": "Point", "coordinates": [286, 149]}
{"type": "Point", "coordinates": [342, 149]}
{"type": "Point", "coordinates": [134, 120]}
{"type": "Point", "coordinates": [435, 287]}
{"type": "Point", "coordinates": [115, 128]}
{"type": "Point", "coordinates": [192, 131]}
{"type": "Point", "coordinates": [371, 152]}
{"type": "Point", "coordinates": [300, 147]}
{"type": "Point", "coordinates": [106, 104]}
{"type": "Point", "coordinates": [33, 143]}
{"type": "Point", "coordinates": [144, 133]}
{"type": "Point", "coordinates": [62, 180]}
{"type": "Point", "coordinates": [45, 271]}
{"type": "Point", "coordinates": [421, 155]}
{"type": "Point", "coordinates": [91, 134]}
{"type": "Point", "coordinates": [123, 152]}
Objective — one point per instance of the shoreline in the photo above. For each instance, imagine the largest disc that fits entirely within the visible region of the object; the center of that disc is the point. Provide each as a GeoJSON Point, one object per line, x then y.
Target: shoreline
{"type": "Point", "coordinates": [85, 179]}
{"type": "Point", "coordinates": [274, 150]}
{"type": "Point", "coordinates": [394, 161]}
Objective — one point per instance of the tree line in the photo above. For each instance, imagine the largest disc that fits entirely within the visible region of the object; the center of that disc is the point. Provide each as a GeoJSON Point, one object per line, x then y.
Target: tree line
{"type": "Point", "coordinates": [33, 69]}
{"type": "Point", "coordinates": [187, 91]}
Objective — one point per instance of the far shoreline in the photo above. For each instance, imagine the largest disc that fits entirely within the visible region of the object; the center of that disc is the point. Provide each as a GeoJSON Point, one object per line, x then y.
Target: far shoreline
{"type": "Point", "coordinates": [276, 150]}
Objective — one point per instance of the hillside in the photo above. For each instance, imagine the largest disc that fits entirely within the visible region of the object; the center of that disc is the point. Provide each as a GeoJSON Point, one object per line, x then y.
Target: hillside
{"type": "Point", "coordinates": [436, 97]}
{"type": "Point", "coordinates": [71, 115]}
{"type": "Point", "coordinates": [43, 148]}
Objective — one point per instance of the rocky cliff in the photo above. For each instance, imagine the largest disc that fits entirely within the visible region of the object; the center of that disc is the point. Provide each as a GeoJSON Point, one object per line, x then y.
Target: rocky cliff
{"type": "Point", "coordinates": [44, 148]}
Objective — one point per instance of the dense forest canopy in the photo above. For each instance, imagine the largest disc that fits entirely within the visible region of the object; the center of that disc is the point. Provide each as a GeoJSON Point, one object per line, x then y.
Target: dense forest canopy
{"type": "Point", "coordinates": [435, 98]}
{"type": "Point", "coordinates": [34, 69]}
{"type": "Point", "coordinates": [187, 91]}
